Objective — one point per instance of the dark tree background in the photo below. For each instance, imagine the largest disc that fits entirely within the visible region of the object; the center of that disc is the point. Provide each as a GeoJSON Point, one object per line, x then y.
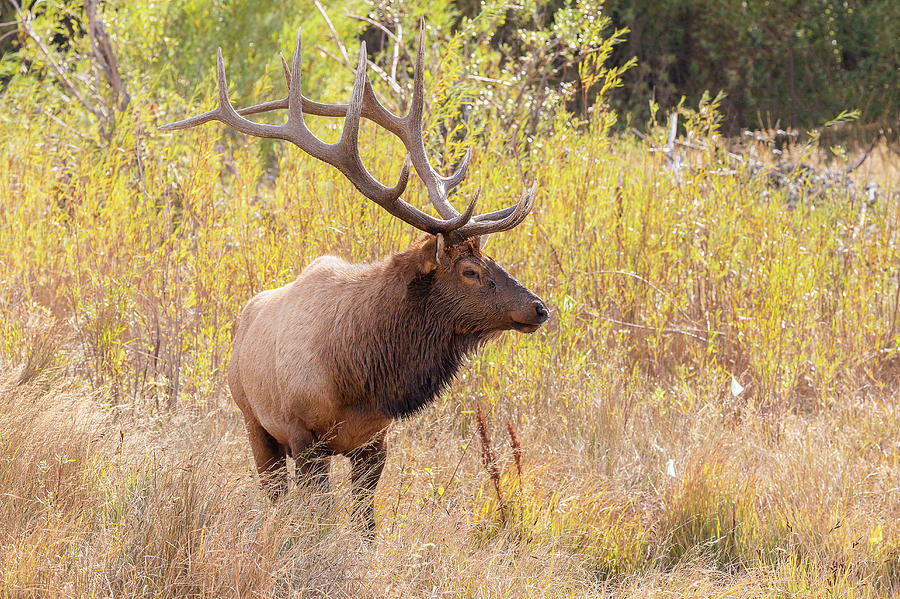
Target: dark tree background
{"type": "Point", "coordinates": [798, 62]}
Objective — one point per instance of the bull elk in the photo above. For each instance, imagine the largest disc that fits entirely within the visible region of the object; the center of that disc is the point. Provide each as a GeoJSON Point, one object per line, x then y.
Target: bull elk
{"type": "Point", "coordinates": [324, 364]}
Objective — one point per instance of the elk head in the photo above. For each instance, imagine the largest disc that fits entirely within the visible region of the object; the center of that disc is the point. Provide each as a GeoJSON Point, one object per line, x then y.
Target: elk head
{"type": "Point", "coordinates": [466, 280]}
{"type": "Point", "coordinates": [475, 293]}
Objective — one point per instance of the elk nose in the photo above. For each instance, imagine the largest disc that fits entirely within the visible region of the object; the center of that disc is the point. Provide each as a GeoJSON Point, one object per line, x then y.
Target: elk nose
{"type": "Point", "coordinates": [541, 311]}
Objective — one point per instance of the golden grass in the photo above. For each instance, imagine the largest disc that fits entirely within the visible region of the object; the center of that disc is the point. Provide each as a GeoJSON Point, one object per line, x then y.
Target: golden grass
{"type": "Point", "coordinates": [123, 466]}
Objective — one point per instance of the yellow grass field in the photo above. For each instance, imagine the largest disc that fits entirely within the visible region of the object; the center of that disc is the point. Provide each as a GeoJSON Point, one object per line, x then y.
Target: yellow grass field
{"type": "Point", "coordinates": [712, 410]}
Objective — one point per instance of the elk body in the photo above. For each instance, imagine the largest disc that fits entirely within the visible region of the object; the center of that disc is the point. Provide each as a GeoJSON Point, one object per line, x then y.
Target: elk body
{"type": "Point", "coordinates": [323, 365]}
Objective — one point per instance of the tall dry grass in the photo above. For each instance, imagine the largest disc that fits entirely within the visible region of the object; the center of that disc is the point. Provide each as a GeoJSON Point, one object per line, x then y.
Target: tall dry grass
{"type": "Point", "coordinates": [124, 470]}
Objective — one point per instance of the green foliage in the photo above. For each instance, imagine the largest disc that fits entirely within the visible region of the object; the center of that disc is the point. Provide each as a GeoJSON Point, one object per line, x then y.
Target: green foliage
{"type": "Point", "coordinates": [525, 67]}
{"type": "Point", "coordinates": [797, 62]}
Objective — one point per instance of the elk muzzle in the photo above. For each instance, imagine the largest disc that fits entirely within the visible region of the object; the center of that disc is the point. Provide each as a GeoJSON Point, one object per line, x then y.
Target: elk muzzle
{"type": "Point", "coordinates": [530, 318]}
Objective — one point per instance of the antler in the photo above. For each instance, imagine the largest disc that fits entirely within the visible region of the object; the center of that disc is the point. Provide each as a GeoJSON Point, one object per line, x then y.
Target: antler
{"type": "Point", "coordinates": [344, 155]}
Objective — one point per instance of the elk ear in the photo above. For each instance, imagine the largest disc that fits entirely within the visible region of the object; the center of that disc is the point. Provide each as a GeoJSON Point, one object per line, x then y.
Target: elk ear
{"type": "Point", "coordinates": [440, 248]}
{"type": "Point", "coordinates": [483, 241]}
{"type": "Point", "coordinates": [432, 260]}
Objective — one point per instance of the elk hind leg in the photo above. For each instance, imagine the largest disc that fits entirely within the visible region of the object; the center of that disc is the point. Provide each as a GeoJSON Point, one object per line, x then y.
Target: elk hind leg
{"type": "Point", "coordinates": [270, 459]}
{"type": "Point", "coordinates": [366, 465]}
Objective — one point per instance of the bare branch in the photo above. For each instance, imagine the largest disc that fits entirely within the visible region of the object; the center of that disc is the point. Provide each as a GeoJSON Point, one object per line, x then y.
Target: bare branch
{"type": "Point", "coordinates": [665, 331]}
{"type": "Point", "coordinates": [396, 38]}
{"type": "Point", "coordinates": [395, 87]}
{"type": "Point", "coordinates": [671, 155]}
{"type": "Point", "coordinates": [337, 59]}
{"type": "Point", "coordinates": [25, 21]}
{"type": "Point", "coordinates": [396, 53]}
{"type": "Point", "coordinates": [636, 276]}
{"type": "Point", "coordinates": [103, 52]}
{"type": "Point", "coordinates": [9, 34]}
{"type": "Point", "coordinates": [337, 39]}
{"type": "Point", "coordinates": [862, 158]}
{"type": "Point", "coordinates": [490, 80]}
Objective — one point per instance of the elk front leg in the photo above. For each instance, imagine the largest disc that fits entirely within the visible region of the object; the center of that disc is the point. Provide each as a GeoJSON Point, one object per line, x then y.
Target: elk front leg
{"type": "Point", "coordinates": [366, 464]}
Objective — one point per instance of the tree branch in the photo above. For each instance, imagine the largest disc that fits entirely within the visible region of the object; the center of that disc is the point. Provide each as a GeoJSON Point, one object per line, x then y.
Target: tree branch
{"type": "Point", "coordinates": [104, 53]}
{"type": "Point", "coordinates": [25, 21]}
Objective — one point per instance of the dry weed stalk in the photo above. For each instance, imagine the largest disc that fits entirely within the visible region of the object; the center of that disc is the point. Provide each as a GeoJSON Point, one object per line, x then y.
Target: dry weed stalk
{"type": "Point", "coordinates": [489, 458]}
{"type": "Point", "coordinates": [516, 447]}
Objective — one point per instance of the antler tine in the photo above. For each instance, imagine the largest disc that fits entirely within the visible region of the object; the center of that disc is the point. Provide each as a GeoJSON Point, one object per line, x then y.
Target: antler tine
{"type": "Point", "coordinates": [343, 155]}
{"type": "Point", "coordinates": [515, 214]}
{"type": "Point", "coordinates": [225, 111]}
{"type": "Point", "coordinates": [219, 113]}
{"type": "Point", "coordinates": [503, 212]}
{"type": "Point", "coordinates": [228, 115]}
{"type": "Point", "coordinates": [417, 107]}
{"type": "Point", "coordinates": [295, 93]}
{"type": "Point", "coordinates": [396, 207]}
{"type": "Point", "coordinates": [438, 187]}
{"type": "Point", "coordinates": [346, 150]}
{"type": "Point", "coordinates": [350, 133]}
{"type": "Point", "coordinates": [407, 128]}
{"type": "Point", "coordinates": [285, 69]}
{"type": "Point", "coordinates": [429, 224]}
{"type": "Point", "coordinates": [460, 174]}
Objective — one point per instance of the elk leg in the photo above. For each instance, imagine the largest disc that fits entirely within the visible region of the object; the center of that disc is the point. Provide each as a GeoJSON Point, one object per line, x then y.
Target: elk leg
{"type": "Point", "coordinates": [312, 462]}
{"type": "Point", "coordinates": [366, 464]}
{"type": "Point", "coordinates": [269, 456]}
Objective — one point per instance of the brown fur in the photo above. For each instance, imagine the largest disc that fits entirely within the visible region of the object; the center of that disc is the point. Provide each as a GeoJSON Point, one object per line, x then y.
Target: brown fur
{"type": "Point", "coordinates": [322, 365]}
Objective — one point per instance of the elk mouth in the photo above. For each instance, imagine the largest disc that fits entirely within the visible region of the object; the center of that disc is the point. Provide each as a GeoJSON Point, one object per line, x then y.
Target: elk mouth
{"type": "Point", "coordinates": [525, 327]}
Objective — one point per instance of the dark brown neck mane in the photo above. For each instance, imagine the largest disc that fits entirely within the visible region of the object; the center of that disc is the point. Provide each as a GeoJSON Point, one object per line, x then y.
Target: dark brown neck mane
{"type": "Point", "coordinates": [404, 348]}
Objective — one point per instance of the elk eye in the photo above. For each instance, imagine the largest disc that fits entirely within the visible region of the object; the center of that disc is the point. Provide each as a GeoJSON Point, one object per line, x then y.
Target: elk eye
{"type": "Point", "coordinates": [469, 273]}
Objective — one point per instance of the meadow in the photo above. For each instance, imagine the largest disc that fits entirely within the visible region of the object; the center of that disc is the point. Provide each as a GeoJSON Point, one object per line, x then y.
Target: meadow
{"type": "Point", "coordinates": [710, 412]}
